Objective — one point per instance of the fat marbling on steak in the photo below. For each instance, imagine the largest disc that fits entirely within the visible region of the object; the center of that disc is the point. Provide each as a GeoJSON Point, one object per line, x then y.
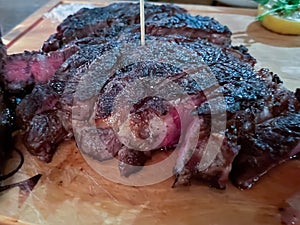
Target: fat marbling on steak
{"type": "Point", "coordinates": [251, 96]}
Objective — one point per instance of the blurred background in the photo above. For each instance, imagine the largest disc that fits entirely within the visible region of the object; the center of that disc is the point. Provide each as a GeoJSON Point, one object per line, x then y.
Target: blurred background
{"type": "Point", "coordinates": [12, 12]}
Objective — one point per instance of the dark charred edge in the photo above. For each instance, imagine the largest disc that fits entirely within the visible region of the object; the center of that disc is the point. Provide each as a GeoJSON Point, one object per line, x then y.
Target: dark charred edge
{"type": "Point", "coordinates": [272, 143]}
{"type": "Point", "coordinates": [109, 21]}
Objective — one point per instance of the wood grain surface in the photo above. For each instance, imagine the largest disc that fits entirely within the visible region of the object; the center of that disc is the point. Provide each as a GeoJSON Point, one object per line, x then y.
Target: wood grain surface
{"type": "Point", "coordinates": [70, 192]}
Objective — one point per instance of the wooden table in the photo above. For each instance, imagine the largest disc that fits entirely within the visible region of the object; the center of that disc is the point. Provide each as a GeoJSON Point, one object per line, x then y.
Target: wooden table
{"type": "Point", "coordinates": [70, 192]}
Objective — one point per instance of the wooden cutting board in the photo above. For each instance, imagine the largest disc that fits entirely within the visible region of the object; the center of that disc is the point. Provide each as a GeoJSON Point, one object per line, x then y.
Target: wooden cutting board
{"type": "Point", "coordinates": [70, 192]}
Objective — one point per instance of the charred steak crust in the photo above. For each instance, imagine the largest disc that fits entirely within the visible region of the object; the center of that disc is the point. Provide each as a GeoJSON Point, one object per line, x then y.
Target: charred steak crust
{"type": "Point", "coordinates": [112, 20]}
{"type": "Point", "coordinates": [269, 144]}
{"type": "Point", "coordinates": [253, 98]}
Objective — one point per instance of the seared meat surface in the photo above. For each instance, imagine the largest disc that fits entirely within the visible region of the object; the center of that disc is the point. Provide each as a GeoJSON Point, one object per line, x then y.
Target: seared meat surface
{"type": "Point", "coordinates": [259, 112]}
{"type": "Point", "coordinates": [110, 21]}
{"type": "Point", "coordinates": [269, 144]}
{"type": "Point", "coordinates": [92, 42]}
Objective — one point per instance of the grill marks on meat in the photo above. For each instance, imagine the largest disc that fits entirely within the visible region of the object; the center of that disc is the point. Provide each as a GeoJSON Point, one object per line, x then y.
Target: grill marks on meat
{"type": "Point", "coordinates": [126, 77]}
{"type": "Point", "coordinates": [160, 20]}
{"type": "Point", "coordinates": [148, 117]}
{"type": "Point", "coordinates": [232, 96]}
{"type": "Point", "coordinates": [107, 22]}
{"type": "Point", "coordinates": [251, 97]}
{"type": "Point", "coordinates": [238, 83]}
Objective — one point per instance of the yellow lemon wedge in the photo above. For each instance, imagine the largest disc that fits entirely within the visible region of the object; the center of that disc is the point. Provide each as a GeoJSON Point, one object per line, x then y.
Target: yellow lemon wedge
{"type": "Point", "coordinates": [278, 24]}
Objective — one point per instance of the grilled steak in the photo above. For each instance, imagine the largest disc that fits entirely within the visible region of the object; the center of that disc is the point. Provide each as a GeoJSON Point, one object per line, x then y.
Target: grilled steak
{"type": "Point", "coordinates": [252, 98]}
{"type": "Point", "coordinates": [161, 20]}
{"type": "Point", "coordinates": [69, 32]}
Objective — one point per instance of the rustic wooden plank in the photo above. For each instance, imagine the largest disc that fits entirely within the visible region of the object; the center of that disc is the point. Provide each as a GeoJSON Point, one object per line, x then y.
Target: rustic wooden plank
{"type": "Point", "coordinates": [10, 221]}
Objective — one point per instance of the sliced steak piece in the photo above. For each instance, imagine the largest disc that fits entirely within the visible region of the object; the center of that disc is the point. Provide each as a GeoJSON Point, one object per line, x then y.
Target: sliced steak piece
{"type": "Point", "coordinates": [43, 134]}
{"type": "Point", "coordinates": [160, 20]}
{"type": "Point", "coordinates": [208, 163]}
{"type": "Point", "coordinates": [23, 70]}
{"type": "Point", "coordinates": [20, 73]}
{"type": "Point", "coordinates": [235, 77]}
{"type": "Point", "coordinates": [272, 143]}
{"type": "Point", "coordinates": [250, 96]}
{"type": "Point", "coordinates": [46, 99]}
{"type": "Point", "coordinates": [41, 99]}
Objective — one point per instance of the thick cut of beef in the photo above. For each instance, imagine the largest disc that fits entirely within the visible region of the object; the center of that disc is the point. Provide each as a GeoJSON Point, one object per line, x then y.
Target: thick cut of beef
{"type": "Point", "coordinates": [250, 96]}
{"type": "Point", "coordinates": [44, 133]}
{"type": "Point", "coordinates": [271, 143]}
{"type": "Point", "coordinates": [22, 71]}
{"type": "Point", "coordinates": [234, 75]}
{"type": "Point", "coordinates": [160, 20]}
{"type": "Point", "coordinates": [236, 79]}
{"type": "Point", "coordinates": [46, 99]}
{"type": "Point", "coordinates": [41, 126]}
